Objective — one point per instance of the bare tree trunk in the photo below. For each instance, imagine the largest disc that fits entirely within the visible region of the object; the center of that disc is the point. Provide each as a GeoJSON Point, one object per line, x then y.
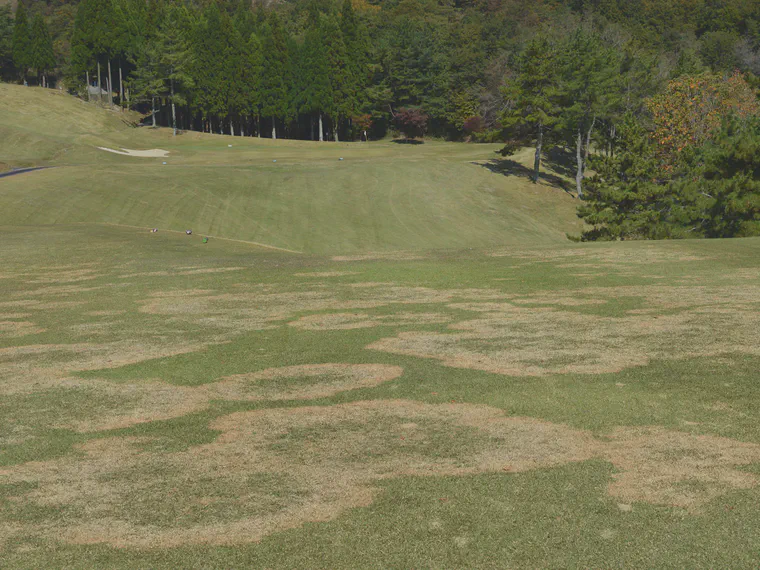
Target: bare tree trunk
{"type": "Point", "coordinates": [232, 128]}
{"type": "Point", "coordinates": [153, 110]}
{"type": "Point", "coordinates": [537, 158]}
{"type": "Point", "coordinates": [335, 129]}
{"type": "Point", "coordinates": [100, 90]}
{"type": "Point", "coordinates": [579, 161]}
{"type": "Point", "coordinates": [274, 128]}
{"type": "Point", "coordinates": [110, 85]}
{"type": "Point", "coordinates": [174, 114]}
{"type": "Point", "coordinates": [121, 87]}
{"type": "Point", "coordinates": [321, 129]}
{"type": "Point", "coordinates": [87, 75]}
{"type": "Point", "coordinates": [588, 144]}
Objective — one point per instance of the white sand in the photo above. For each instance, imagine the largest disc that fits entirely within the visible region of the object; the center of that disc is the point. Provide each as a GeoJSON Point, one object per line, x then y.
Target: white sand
{"type": "Point", "coordinates": [152, 153]}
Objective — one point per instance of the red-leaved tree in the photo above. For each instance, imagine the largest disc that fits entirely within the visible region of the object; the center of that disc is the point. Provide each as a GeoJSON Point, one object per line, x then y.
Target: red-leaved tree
{"type": "Point", "coordinates": [412, 122]}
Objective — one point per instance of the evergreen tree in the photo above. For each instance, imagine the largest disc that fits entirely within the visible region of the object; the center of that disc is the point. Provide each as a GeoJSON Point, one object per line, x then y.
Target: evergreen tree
{"type": "Point", "coordinates": [274, 79]}
{"type": "Point", "coordinates": [590, 70]}
{"type": "Point", "coordinates": [340, 103]}
{"type": "Point", "coordinates": [6, 42]}
{"type": "Point", "coordinates": [22, 41]}
{"type": "Point", "coordinates": [533, 94]}
{"type": "Point", "coordinates": [627, 198]}
{"type": "Point", "coordinates": [724, 182]}
{"type": "Point", "coordinates": [313, 82]}
{"type": "Point", "coordinates": [42, 58]}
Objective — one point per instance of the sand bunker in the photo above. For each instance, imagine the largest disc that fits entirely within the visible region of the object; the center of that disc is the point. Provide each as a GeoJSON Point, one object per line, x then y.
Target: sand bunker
{"type": "Point", "coordinates": [274, 469]}
{"type": "Point", "coordinates": [152, 153]}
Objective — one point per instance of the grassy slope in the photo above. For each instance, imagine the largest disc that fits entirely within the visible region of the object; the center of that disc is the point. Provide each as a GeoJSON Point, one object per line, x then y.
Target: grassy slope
{"type": "Point", "coordinates": [382, 196]}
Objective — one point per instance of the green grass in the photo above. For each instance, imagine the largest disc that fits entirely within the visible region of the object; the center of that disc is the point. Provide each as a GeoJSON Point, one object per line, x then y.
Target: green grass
{"type": "Point", "coordinates": [625, 435]}
{"type": "Point", "coordinates": [382, 197]}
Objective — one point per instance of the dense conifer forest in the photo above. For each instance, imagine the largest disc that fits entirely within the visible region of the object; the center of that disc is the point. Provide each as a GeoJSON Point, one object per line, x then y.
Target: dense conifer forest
{"type": "Point", "coordinates": [652, 103]}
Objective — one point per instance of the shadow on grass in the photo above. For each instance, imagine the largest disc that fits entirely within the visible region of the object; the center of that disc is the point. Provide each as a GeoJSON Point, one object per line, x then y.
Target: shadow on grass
{"type": "Point", "coordinates": [407, 141]}
{"type": "Point", "coordinates": [509, 167]}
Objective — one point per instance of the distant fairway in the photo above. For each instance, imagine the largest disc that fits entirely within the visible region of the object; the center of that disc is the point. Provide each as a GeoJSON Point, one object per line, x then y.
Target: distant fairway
{"type": "Point", "coordinates": [431, 377]}
{"type": "Point", "coordinates": [381, 197]}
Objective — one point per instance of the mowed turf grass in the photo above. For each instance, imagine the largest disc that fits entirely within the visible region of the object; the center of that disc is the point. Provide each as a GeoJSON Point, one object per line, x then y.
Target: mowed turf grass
{"type": "Point", "coordinates": [455, 400]}
{"type": "Point", "coordinates": [383, 196]}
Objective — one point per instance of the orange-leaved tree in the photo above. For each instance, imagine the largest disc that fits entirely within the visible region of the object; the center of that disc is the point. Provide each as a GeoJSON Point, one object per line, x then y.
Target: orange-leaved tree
{"type": "Point", "coordinates": [691, 109]}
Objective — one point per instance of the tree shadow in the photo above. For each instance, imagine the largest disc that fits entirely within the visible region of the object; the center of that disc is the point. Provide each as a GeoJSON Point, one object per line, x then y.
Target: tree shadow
{"type": "Point", "coordinates": [509, 167]}
{"type": "Point", "coordinates": [561, 160]}
{"type": "Point", "coordinates": [407, 141]}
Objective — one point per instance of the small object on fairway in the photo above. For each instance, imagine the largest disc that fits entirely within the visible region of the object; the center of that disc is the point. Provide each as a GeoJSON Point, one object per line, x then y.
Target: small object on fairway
{"type": "Point", "coordinates": [154, 231]}
{"type": "Point", "coordinates": [275, 160]}
{"type": "Point", "coordinates": [341, 158]}
{"type": "Point", "coordinates": [229, 146]}
{"type": "Point", "coordinates": [188, 232]}
{"type": "Point", "coordinates": [205, 240]}
{"type": "Point", "coordinates": [163, 163]}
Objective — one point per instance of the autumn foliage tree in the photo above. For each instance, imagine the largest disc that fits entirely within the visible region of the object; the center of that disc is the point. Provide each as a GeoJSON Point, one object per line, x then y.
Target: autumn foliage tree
{"type": "Point", "coordinates": [691, 109]}
{"type": "Point", "coordinates": [412, 122]}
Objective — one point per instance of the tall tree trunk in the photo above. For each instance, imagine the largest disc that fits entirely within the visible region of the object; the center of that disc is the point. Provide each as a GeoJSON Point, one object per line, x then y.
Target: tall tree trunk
{"type": "Point", "coordinates": [335, 129]}
{"type": "Point", "coordinates": [87, 75]}
{"type": "Point", "coordinates": [579, 161]}
{"type": "Point", "coordinates": [321, 129]}
{"type": "Point", "coordinates": [174, 114]}
{"type": "Point", "coordinates": [232, 128]}
{"type": "Point", "coordinates": [588, 144]}
{"type": "Point", "coordinates": [274, 128]}
{"type": "Point", "coordinates": [44, 83]}
{"type": "Point", "coordinates": [121, 87]}
{"type": "Point", "coordinates": [100, 90]}
{"type": "Point", "coordinates": [110, 85]}
{"type": "Point", "coordinates": [311, 120]}
{"type": "Point", "coordinates": [153, 110]}
{"type": "Point", "coordinates": [258, 126]}
{"type": "Point", "coordinates": [537, 158]}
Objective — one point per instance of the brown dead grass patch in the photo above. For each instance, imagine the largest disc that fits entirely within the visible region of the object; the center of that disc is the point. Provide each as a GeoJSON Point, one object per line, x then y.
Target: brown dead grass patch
{"type": "Point", "coordinates": [105, 313]}
{"type": "Point", "coordinates": [313, 463]}
{"type": "Point", "coordinates": [61, 290]}
{"type": "Point", "coordinates": [393, 255]}
{"type": "Point", "coordinates": [18, 328]}
{"type": "Point", "coordinates": [314, 381]}
{"type": "Point", "coordinates": [261, 310]}
{"type": "Point", "coordinates": [524, 341]}
{"type": "Point", "coordinates": [67, 276]}
{"type": "Point", "coordinates": [348, 321]}
{"type": "Point", "coordinates": [25, 369]}
{"type": "Point", "coordinates": [677, 468]}
{"type": "Point", "coordinates": [327, 274]}
{"type": "Point", "coordinates": [609, 255]}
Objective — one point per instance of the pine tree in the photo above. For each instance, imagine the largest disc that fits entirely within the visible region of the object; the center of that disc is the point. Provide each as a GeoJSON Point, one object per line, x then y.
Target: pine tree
{"type": "Point", "coordinates": [22, 41]}
{"type": "Point", "coordinates": [589, 71]}
{"type": "Point", "coordinates": [627, 198]}
{"type": "Point", "coordinates": [42, 57]}
{"type": "Point", "coordinates": [533, 94]}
